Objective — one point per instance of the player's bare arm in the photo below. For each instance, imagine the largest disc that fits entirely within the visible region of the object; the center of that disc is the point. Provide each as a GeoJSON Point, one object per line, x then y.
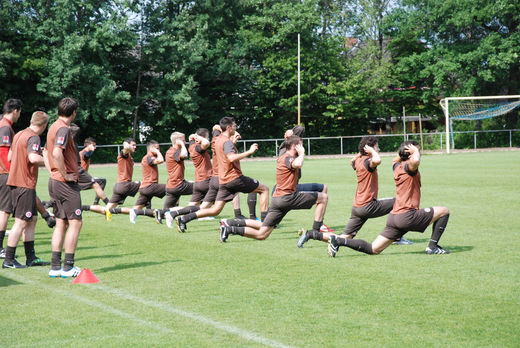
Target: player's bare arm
{"type": "Point", "coordinates": [298, 161]}
{"type": "Point", "coordinates": [158, 156]}
{"type": "Point", "coordinates": [375, 159]}
{"type": "Point", "coordinates": [233, 157]}
{"type": "Point", "coordinates": [415, 157]}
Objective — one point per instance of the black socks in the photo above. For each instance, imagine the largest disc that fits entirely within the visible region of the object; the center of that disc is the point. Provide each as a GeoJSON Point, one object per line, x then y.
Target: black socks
{"type": "Point", "coordinates": [251, 203]}
{"type": "Point", "coordinates": [438, 230]}
{"type": "Point", "coordinates": [356, 244]}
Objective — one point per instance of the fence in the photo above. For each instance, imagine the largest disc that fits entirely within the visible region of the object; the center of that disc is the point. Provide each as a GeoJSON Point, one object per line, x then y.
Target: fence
{"type": "Point", "coordinates": [349, 144]}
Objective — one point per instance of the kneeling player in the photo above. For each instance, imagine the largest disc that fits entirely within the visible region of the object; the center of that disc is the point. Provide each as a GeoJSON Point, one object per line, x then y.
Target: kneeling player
{"type": "Point", "coordinates": [285, 198]}
{"type": "Point", "coordinates": [405, 215]}
{"type": "Point", "coordinates": [25, 159]}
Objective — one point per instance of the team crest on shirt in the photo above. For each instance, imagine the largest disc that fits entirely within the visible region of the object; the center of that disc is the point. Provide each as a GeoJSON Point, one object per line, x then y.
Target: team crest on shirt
{"type": "Point", "coordinates": [255, 181]}
{"type": "Point", "coordinates": [5, 139]}
{"type": "Point", "coordinates": [35, 147]}
{"type": "Point", "coordinates": [78, 212]}
{"type": "Point", "coordinates": [427, 210]}
{"type": "Point", "coordinates": [28, 215]}
{"type": "Point", "coordinates": [60, 140]}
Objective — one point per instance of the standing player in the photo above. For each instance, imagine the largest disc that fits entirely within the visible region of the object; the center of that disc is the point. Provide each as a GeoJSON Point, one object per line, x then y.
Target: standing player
{"type": "Point", "coordinates": [64, 190]}
{"type": "Point", "coordinates": [125, 186]}
{"type": "Point", "coordinates": [366, 205]}
{"type": "Point", "coordinates": [405, 215]}
{"type": "Point", "coordinates": [25, 157]}
{"type": "Point", "coordinates": [150, 186]}
{"type": "Point", "coordinates": [231, 180]}
{"type": "Point", "coordinates": [12, 111]}
{"type": "Point", "coordinates": [176, 186]}
{"type": "Point", "coordinates": [285, 198]}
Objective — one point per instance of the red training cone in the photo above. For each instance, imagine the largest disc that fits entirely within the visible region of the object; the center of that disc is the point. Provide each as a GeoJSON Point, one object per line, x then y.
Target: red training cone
{"type": "Point", "coordinates": [85, 277]}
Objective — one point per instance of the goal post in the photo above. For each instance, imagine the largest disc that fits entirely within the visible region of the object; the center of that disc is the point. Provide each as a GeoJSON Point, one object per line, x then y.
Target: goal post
{"type": "Point", "coordinates": [471, 109]}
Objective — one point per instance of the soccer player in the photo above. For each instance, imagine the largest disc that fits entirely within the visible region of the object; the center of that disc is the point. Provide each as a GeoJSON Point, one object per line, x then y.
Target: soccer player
{"type": "Point", "coordinates": [25, 157]}
{"type": "Point", "coordinates": [285, 198]}
{"type": "Point", "coordinates": [64, 190]}
{"type": "Point", "coordinates": [405, 215]}
{"type": "Point", "coordinates": [307, 187]}
{"type": "Point", "coordinates": [12, 111]}
{"type": "Point", "coordinates": [86, 181]}
{"type": "Point", "coordinates": [231, 180]}
{"type": "Point", "coordinates": [150, 186]}
{"type": "Point", "coordinates": [125, 186]}
{"type": "Point", "coordinates": [366, 205]}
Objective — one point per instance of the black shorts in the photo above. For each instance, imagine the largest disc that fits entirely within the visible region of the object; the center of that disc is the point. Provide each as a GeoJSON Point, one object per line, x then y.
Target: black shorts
{"type": "Point", "coordinates": [147, 193]}
{"type": "Point", "coordinates": [173, 194]}
{"type": "Point", "coordinates": [244, 184]}
{"type": "Point", "coordinates": [373, 209]}
{"type": "Point", "coordinates": [67, 199]}
{"type": "Point", "coordinates": [24, 203]}
{"type": "Point", "coordinates": [85, 180]}
{"type": "Point", "coordinates": [200, 188]}
{"type": "Point", "coordinates": [310, 187]}
{"type": "Point", "coordinates": [6, 204]}
{"type": "Point", "coordinates": [211, 195]}
{"type": "Point", "coordinates": [124, 189]}
{"type": "Point", "coordinates": [280, 206]}
{"type": "Point", "coordinates": [414, 220]}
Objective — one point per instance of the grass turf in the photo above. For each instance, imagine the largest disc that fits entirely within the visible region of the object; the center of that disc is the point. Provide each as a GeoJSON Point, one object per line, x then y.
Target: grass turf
{"type": "Point", "coordinates": [161, 288]}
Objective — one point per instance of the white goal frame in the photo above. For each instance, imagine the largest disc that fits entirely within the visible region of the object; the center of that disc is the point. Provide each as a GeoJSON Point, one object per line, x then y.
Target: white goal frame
{"type": "Point", "coordinates": [445, 107]}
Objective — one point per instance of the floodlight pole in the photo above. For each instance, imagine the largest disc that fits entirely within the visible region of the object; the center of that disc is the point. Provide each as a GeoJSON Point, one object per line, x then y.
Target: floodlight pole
{"type": "Point", "coordinates": [299, 108]}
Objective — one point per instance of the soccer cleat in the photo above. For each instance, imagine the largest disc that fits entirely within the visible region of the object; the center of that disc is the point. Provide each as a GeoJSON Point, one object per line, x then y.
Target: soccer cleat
{"type": "Point", "coordinates": [169, 219]}
{"type": "Point", "coordinates": [303, 238]}
{"type": "Point", "coordinates": [333, 246]}
{"type": "Point", "coordinates": [157, 216]}
{"type": "Point", "coordinates": [73, 272]}
{"type": "Point", "coordinates": [438, 250]}
{"type": "Point", "coordinates": [224, 233]}
{"type": "Point", "coordinates": [325, 228]}
{"type": "Point", "coordinates": [224, 222]}
{"type": "Point", "coordinates": [108, 215]}
{"type": "Point", "coordinates": [55, 273]}
{"type": "Point", "coordinates": [132, 216]}
{"type": "Point", "coordinates": [13, 264]}
{"type": "Point", "coordinates": [36, 262]}
{"type": "Point", "coordinates": [402, 241]}
{"type": "Point", "coordinates": [181, 225]}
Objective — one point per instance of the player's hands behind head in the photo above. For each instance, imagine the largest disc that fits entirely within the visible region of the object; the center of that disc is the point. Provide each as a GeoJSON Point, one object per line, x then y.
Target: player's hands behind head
{"type": "Point", "coordinates": [300, 149]}
{"type": "Point", "coordinates": [411, 149]}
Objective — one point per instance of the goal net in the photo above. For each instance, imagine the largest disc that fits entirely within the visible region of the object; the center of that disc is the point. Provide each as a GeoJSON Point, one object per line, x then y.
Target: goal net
{"type": "Point", "coordinates": [475, 108]}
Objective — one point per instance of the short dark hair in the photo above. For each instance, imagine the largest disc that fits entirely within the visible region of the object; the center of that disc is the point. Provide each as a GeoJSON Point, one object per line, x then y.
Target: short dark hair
{"type": "Point", "coordinates": [11, 105]}
{"type": "Point", "coordinates": [74, 129]}
{"type": "Point", "coordinates": [67, 106]}
{"type": "Point", "coordinates": [298, 131]}
{"type": "Point", "coordinates": [292, 140]}
{"type": "Point", "coordinates": [129, 140]}
{"type": "Point", "coordinates": [151, 142]}
{"type": "Point", "coordinates": [89, 141]}
{"type": "Point", "coordinates": [225, 122]}
{"type": "Point", "coordinates": [402, 151]}
{"type": "Point", "coordinates": [203, 132]}
{"type": "Point", "coordinates": [370, 141]}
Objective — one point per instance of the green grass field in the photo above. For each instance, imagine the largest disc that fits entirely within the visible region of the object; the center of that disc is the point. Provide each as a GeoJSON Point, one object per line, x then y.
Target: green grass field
{"type": "Point", "coordinates": [162, 288]}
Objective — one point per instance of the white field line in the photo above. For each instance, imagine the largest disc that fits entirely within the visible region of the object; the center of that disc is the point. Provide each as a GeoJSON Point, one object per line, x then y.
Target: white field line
{"type": "Point", "coordinates": [245, 334]}
{"type": "Point", "coordinates": [248, 335]}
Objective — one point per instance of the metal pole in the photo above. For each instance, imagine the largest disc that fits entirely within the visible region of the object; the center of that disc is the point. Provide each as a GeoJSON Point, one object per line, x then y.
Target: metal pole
{"type": "Point", "coordinates": [404, 123]}
{"type": "Point", "coordinates": [447, 115]}
{"type": "Point", "coordinates": [474, 140]}
{"type": "Point", "coordinates": [420, 132]}
{"type": "Point", "coordinates": [309, 146]}
{"type": "Point", "coordinates": [341, 142]}
{"type": "Point", "coordinates": [510, 143]}
{"type": "Point", "coordinates": [276, 147]}
{"type": "Point", "coordinates": [441, 141]}
{"type": "Point", "coordinates": [299, 108]}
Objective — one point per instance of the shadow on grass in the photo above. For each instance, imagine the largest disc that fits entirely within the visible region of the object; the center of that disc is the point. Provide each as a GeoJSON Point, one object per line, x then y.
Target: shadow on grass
{"type": "Point", "coordinates": [132, 265]}
{"type": "Point", "coordinates": [453, 249]}
{"type": "Point", "coordinates": [109, 256]}
{"type": "Point", "coordinates": [7, 282]}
